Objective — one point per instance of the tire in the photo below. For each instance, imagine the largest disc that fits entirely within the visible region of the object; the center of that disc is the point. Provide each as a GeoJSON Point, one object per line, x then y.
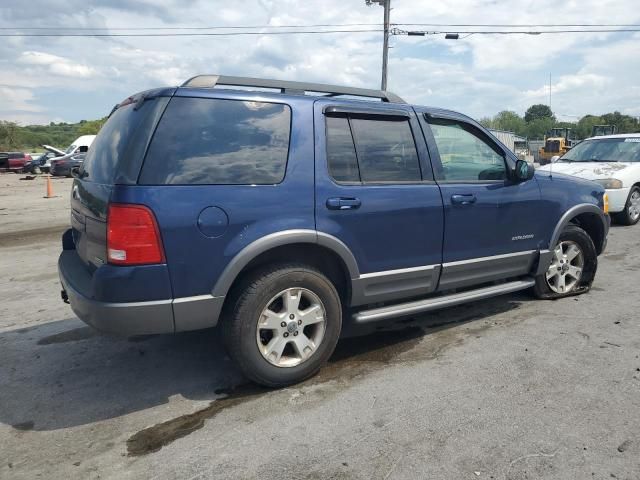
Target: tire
{"type": "Point", "coordinates": [305, 347]}
{"type": "Point", "coordinates": [36, 171]}
{"type": "Point", "coordinates": [631, 213]}
{"type": "Point", "coordinates": [574, 272]}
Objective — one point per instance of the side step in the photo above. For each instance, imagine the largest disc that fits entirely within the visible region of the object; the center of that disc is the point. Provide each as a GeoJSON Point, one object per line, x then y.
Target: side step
{"type": "Point", "coordinates": [435, 303]}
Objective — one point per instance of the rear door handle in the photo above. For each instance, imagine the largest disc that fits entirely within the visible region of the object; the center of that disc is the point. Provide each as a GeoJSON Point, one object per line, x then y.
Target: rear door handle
{"type": "Point", "coordinates": [342, 203]}
{"type": "Point", "coordinates": [463, 199]}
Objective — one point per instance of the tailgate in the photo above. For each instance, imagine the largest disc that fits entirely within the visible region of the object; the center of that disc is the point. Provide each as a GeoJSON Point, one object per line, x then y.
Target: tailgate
{"type": "Point", "coordinates": [89, 203]}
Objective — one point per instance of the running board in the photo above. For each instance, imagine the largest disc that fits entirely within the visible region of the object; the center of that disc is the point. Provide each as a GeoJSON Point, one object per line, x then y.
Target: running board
{"type": "Point", "coordinates": [435, 303]}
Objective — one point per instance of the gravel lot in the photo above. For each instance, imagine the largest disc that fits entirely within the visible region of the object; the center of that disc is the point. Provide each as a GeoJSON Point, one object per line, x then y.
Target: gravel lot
{"type": "Point", "coordinates": [508, 388]}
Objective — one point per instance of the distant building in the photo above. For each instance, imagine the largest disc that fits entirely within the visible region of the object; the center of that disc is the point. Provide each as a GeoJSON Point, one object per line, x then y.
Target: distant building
{"type": "Point", "coordinates": [516, 143]}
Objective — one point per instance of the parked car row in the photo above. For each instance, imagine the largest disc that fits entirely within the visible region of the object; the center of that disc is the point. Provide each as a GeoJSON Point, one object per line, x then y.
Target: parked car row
{"type": "Point", "coordinates": [55, 161]}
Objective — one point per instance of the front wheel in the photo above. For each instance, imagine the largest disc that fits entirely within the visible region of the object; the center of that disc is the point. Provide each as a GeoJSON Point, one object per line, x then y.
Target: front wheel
{"type": "Point", "coordinates": [573, 267]}
{"type": "Point", "coordinates": [283, 325]}
{"type": "Point", "coordinates": [631, 213]}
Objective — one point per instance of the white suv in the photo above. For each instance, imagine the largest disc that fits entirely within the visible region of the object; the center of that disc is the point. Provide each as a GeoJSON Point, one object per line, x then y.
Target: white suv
{"type": "Point", "coordinates": [613, 161]}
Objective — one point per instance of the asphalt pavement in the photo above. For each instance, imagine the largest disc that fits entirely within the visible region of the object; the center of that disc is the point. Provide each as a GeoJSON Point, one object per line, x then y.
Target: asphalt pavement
{"type": "Point", "coordinates": [507, 388]}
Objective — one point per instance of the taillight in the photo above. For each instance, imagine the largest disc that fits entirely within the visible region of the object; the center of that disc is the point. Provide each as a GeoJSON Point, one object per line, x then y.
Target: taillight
{"type": "Point", "coordinates": [133, 237]}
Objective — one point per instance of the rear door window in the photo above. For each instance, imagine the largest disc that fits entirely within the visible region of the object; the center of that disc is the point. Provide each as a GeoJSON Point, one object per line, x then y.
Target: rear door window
{"type": "Point", "coordinates": [219, 142]}
{"type": "Point", "coordinates": [371, 150]}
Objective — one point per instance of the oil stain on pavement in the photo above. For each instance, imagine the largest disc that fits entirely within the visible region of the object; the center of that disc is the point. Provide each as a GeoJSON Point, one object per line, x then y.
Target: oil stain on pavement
{"type": "Point", "coordinates": [354, 357]}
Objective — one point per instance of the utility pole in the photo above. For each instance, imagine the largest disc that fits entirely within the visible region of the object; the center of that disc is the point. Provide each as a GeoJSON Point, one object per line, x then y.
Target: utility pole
{"type": "Point", "coordinates": [549, 90]}
{"type": "Point", "coordinates": [385, 46]}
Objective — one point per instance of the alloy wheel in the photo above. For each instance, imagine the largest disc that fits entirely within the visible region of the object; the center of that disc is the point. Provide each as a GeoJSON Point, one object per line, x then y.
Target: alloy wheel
{"type": "Point", "coordinates": [565, 270]}
{"type": "Point", "coordinates": [291, 327]}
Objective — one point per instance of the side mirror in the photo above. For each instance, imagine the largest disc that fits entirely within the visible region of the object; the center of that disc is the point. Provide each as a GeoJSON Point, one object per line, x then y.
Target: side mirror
{"type": "Point", "coordinates": [524, 171]}
{"type": "Point", "coordinates": [555, 158]}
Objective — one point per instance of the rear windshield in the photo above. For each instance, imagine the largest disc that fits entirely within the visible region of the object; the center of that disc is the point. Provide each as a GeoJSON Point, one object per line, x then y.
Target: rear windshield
{"type": "Point", "coordinates": [223, 142]}
{"type": "Point", "coordinates": [121, 140]}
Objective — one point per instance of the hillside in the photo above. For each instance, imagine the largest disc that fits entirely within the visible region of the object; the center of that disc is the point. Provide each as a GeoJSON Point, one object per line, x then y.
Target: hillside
{"type": "Point", "coordinates": [30, 138]}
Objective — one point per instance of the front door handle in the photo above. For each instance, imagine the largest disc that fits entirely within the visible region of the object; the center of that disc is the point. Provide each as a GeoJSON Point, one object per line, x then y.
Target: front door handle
{"type": "Point", "coordinates": [463, 199]}
{"type": "Point", "coordinates": [343, 203]}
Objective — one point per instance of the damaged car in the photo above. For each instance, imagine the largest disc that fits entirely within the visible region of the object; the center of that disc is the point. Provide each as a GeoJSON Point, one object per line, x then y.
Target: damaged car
{"type": "Point", "coordinates": [613, 161]}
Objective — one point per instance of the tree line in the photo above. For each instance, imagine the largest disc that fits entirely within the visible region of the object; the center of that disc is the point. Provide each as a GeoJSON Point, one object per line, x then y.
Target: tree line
{"type": "Point", "coordinates": [30, 138]}
{"type": "Point", "coordinates": [539, 119]}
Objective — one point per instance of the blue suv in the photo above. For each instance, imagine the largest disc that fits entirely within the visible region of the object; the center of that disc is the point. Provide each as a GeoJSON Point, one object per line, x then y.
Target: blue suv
{"type": "Point", "coordinates": [280, 210]}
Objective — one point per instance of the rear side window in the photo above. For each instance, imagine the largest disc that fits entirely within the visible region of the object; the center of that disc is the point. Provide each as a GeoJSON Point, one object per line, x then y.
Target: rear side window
{"type": "Point", "coordinates": [371, 150]}
{"type": "Point", "coordinates": [214, 141]}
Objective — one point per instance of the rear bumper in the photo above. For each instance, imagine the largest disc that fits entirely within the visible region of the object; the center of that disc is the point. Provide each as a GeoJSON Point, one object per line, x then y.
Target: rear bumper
{"type": "Point", "coordinates": [126, 318]}
{"type": "Point", "coordinates": [131, 318]}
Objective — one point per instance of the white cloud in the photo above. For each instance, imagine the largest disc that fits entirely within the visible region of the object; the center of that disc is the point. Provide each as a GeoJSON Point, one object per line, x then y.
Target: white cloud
{"type": "Point", "coordinates": [19, 99]}
{"type": "Point", "coordinates": [480, 75]}
{"type": "Point", "coordinates": [57, 65]}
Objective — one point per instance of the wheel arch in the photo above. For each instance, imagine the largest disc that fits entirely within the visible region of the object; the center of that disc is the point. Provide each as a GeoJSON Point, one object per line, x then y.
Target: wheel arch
{"type": "Point", "coordinates": [320, 250]}
{"type": "Point", "coordinates": [590, 218]}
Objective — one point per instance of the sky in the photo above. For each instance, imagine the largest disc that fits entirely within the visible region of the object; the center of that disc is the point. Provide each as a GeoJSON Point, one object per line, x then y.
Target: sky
{"type": "Point", "coordinates": [69, 79]}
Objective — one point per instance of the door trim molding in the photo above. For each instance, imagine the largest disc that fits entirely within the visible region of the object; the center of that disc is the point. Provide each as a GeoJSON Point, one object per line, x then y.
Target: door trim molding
{"type": "Point", "coordinates": [388, 285]}
{"type": "Point", "coordinates": [474, 271]}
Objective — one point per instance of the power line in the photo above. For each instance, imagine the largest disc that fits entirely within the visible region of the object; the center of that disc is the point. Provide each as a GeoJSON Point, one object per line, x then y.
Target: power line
{"type": "Point", "coordinates": [518, 25]}
{"type": "Point", "coordinates": [395, 31]}
{"type": "Point", "coordinates": [219, 27]}
{"type": "Point", "coordinates": [512, 32]}
{"type": "Point", "coordinates": [332, 25]}
{"type": "Point", "coordinates": [195, 34]}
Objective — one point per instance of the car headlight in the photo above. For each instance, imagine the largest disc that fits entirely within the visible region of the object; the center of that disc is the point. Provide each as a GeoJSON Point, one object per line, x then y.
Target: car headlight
{"type": "Point", "coordinates": [610, 183]}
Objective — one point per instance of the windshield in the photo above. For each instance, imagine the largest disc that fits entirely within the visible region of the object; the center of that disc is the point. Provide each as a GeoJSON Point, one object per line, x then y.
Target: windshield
{"type": "Point", "coordinates": [605, 150]}
{"type": "Point", "coordinates": [70, 149]}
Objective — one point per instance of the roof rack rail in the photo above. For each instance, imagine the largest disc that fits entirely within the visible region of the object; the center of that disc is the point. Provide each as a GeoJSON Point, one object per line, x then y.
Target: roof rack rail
{"type": "Point", "coordinates": [295, 88]}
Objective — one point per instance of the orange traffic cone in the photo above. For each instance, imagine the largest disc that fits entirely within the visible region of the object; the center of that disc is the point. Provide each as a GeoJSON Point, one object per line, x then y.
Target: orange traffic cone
{"type": "Point", "coordinates": [49, 188]}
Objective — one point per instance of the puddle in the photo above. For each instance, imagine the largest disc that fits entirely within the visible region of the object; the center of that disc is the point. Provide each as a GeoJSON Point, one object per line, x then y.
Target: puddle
{"type": "Point", "coordinates": [353, 358]}
{"type": "Point", "coordinates": [81, 333]}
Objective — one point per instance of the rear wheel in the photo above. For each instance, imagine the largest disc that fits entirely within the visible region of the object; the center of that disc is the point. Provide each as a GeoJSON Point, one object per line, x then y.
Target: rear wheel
{"type": "Point", "coordinates": [573, 267]}
{"type": "Point", "coordinates": [284, 324]}
{"type": "Point", "coordinates": [631, 213]}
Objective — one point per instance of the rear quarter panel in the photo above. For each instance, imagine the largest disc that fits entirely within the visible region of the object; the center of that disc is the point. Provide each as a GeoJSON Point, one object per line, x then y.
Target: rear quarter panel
{"type": "Point", "coordinates": [196, 261]}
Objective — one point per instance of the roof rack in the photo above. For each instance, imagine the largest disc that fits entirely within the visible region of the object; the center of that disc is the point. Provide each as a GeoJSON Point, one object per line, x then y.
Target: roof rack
{"type": "Point", "coordinates": [294, 88]}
